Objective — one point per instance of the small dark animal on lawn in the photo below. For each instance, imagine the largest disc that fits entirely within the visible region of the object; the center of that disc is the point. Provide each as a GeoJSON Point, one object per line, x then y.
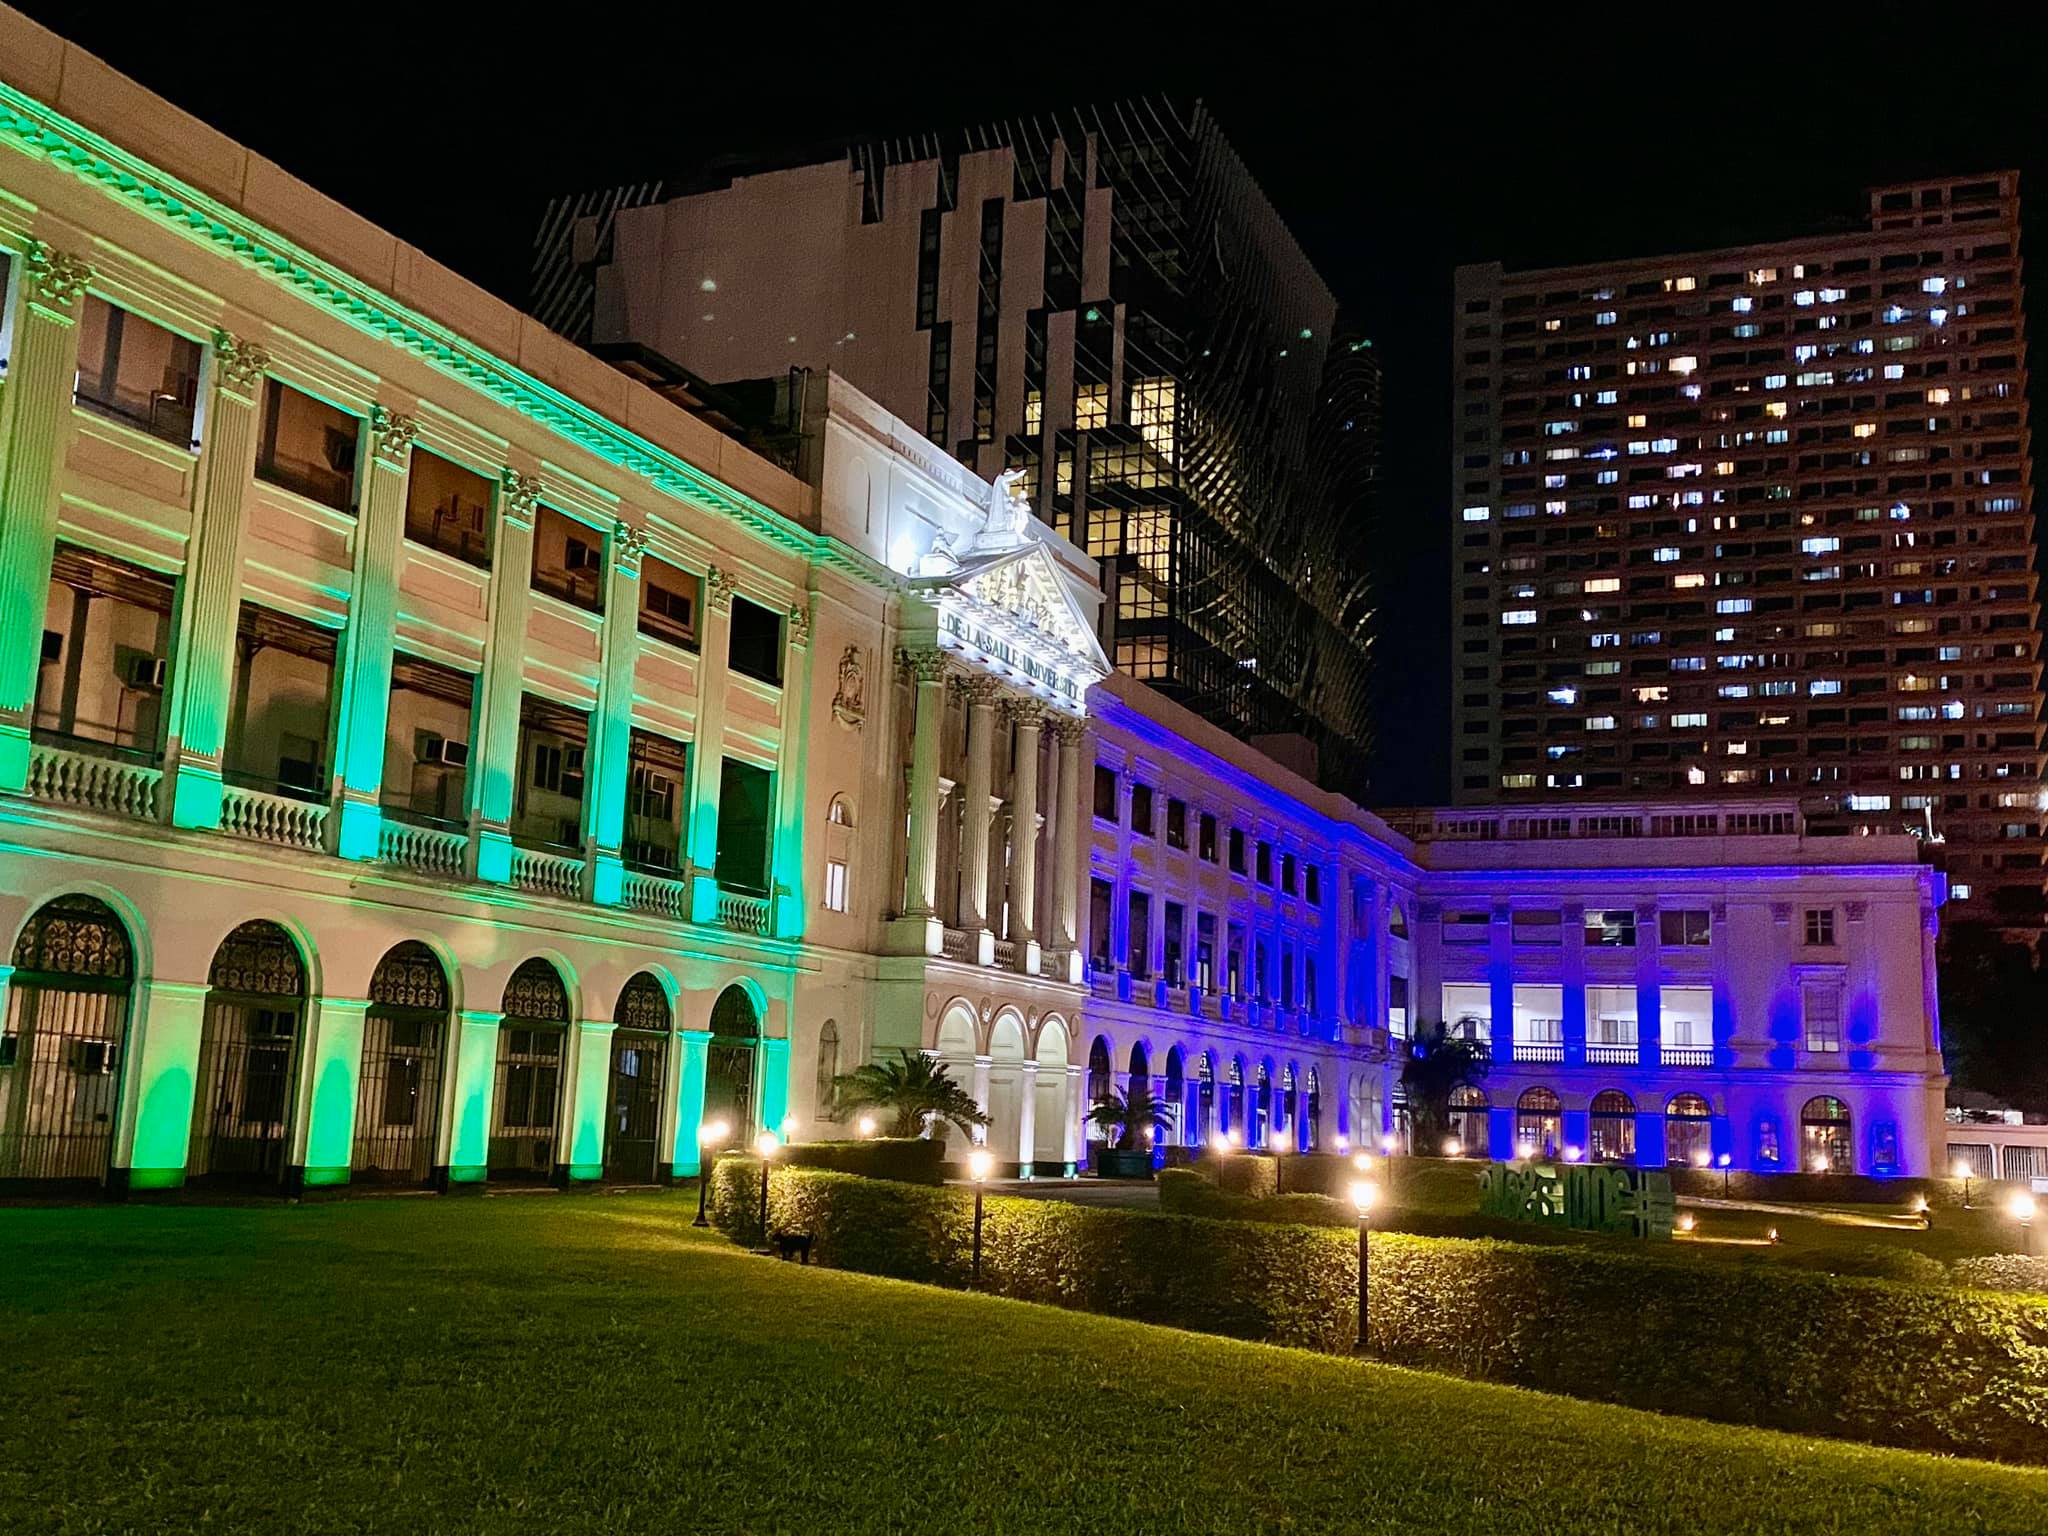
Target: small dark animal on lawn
{"type": "Point", "coordinates": [793, 1245]}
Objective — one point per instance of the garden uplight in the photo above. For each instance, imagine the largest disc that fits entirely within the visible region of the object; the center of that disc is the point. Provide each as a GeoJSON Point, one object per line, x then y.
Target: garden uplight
{"type": "Point", "coordinates": [1966, 1171]}
{"type": "Point", "coordinates": [1701, 1158]}
{"type": "Point", "coordinates": [1821, 1164]}
{"type": "Point", "coordinates": [1362, 1162]}
{"type": "Point", "coordinates": [1453, 1147]}
{"type": "Point", "coordinates": [1236, 1140]}
{"type": "Point", "coordinates": [867, 1126]}
{"type": "Point", "coordinates": [1686, 1222]}
{"type": "Point", "coordinates": [1343, 1144]}
{"type": "Point", "coordinates": [1220, 1144]}
{"type": "Point", "coordinates": [788, 1127]}
{"type": "Point", "coordinates": [2022, 1208]}
{"type": "Point", "coordinates": [1363, 1193]}
{"type": "Point", "coordinates": [1388, 1143]}
{"type": "Point", "coordinates": [1573, 1154]}
{"type": "Point", "coordinates": [767, 1144]}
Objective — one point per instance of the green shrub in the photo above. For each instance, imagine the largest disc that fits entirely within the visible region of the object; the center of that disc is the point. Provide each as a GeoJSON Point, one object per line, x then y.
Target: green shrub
{"type": "Point", "coordinates": [1246, 1173]}
{"type": "Point", "coordinates": [1933, 1369]}
{"type": "Point", "coordinates": [1318, 1173]}
{"type": "Point", "coordinates": [1184, 1193]}
{"type": "Point", "coordinates": [2004, 1272]}
{"type": "Point", "coordinates": [1876, 1261]}
{"type": "Point", "coordinates": [1835, 1188]}
{"type": "Point", "coordinates": [910, 1159]}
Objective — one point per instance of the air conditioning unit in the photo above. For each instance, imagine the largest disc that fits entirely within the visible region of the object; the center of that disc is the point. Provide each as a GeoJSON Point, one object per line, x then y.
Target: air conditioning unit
{"type": "Point", "coordinates": [431, 748]}
{"type": "Point", "coordinates": [146, 672]}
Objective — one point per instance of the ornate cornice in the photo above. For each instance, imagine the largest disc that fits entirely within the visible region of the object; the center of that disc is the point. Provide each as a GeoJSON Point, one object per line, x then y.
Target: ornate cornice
{"type": "Point", "coordinates": [239, 365]}
{"type": "Point", "coordinates": [518, 495]}
{"type": "Point", "coordinates": [719, 585]}
{"type": "Point", "coordinates": [921, 664]}
{"type": "Point", "coordinates": [47, 135]}
{"type": "Point", "coordinates": [57, 277]}
{"type": "Point", "coordinates": [391, 435]}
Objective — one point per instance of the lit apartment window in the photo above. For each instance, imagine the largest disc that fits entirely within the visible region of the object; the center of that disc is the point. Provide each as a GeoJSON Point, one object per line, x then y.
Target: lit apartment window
{"type": "Point", "coordinates": [1685, 929]}
{"type": "Point", "coordinates": [1091, 406]}
{"type": "Point", "coordinates": [1823, 1009]}
{"type": "Point", "coordinates": [137, 372]}
{"type": "Point", "coordinates": [835, 885]}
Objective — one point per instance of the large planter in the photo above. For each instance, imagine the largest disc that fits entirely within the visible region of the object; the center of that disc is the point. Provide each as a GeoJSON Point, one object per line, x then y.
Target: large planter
{"type": "Point", "coordinates": [1112, 1164]}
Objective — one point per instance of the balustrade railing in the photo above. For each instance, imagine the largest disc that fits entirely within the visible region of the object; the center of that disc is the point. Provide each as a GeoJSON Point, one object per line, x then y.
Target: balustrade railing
{"type": "Point", "coordinates": [427, 850]}
{"type": "Point", "coordinates": [1687, 1055]}
{"type": "Point", "coordinates": [743, 914]}
{"type": "Point", "coordinates": [93, 783]}
{"type": "Point", "coordinates": [1006, 954]}
{"type": "Point", "coordinates": [1539, 1050]}
{"type": "Point", "coordinates": [1611, 1055]}
{"type": "Point", "coordinates": [552, 874]}
{"type": "Point", "coordinates": [954, 945]}
{"type": "Point", "coordinates": [659, 894]}
{"type": "Point", "coordinates": [266, 818]}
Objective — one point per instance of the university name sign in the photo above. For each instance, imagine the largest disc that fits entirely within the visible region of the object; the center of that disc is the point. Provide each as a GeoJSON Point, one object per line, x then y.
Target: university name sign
{"type": "Point", "coordinates": [1630, 1202]}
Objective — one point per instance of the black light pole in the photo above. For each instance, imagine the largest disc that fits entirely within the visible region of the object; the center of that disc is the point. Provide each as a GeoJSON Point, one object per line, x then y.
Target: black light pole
{"type": "Point", "coordinates": [766, 1144]}
{"type": "Point", "coordinates": [1363, 1193]}
{"type": "Point", "coordinates": [1724, 1160]}
{"type": "Point", "coordinates": [708, 1137]}
{"type": "Point", "coordinates": [979, 1162]}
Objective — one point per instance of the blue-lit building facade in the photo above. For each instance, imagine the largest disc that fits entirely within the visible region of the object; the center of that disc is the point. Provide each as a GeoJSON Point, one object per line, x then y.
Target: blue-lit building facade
{"type": "Point", "coordinates": [429, 757]}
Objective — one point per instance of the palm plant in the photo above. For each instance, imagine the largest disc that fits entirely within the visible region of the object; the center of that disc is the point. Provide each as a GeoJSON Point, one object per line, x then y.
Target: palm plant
{"type": "Point", "coordinates": [1130, 1115]}
{"type": "Point", "coordinates": [1438, 1063]}
{"type": "Point", "coordinates": [915, 1090]}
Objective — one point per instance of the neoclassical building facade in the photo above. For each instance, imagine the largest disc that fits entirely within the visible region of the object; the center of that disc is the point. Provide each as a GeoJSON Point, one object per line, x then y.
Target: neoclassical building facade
{"type": "Point", "coordinates": [429, 756]}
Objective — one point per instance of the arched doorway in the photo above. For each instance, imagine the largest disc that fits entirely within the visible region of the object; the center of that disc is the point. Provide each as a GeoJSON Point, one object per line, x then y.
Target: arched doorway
{"type": "Point", "coordinates": [1049, 1151]}
{"type": "Point", "coordinates": [1205, 1098]}
{"type": "Point", "coordinates": [1100, 1084]}
{"type": "Point", "coordinates": [1539, 1123]}
{"type": "Point", "coordinates": [1005, 1107]}
{"type": "Point", "coordinates": [1611, 1127]}
{"type": "Point", "coordinates": [1467, 1125]}
{"type": "Point", "coordinates": [1232, 1116]}
{"type": "Point", "coordinates": [1287, 1116]}
{"type": "Point", "coordinates": [1688, 1131]}
{"type": "Point", "coordinates": [527, 1114]}
{"type": "Point", "coordinates": [1260, 1120]}
{"type": "Point", "coordinates": [1824, 1143]}
{"type": "Point", "coordinates": [248, 1054]}
{"type": "Point", "coordinates": [825, 1090]}
{"type": "Point", "coordinates": [632, 1123]}
{"type": "Point", "coordinates": [1315, 1111]}
{"type": "Point", "coordinates": [729, 1064]}
{"type": "Point", "coordinates": [1175, 1097]}
{"type": "Point", "coordinates": [1141, 1066]}
{"type": "Point", "coordinates": [67, 1027]}
{"type": "Point", "coordinates": [398, 1098]}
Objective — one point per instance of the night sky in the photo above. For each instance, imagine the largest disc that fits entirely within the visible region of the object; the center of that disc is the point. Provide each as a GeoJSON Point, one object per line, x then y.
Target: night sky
{"type": "Point", "coordinates": [1393, 154]}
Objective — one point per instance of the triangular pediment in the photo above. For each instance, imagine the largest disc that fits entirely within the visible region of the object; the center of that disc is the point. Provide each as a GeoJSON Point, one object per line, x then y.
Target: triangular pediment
{"type": "Point", "coordinates": [1024, 595]}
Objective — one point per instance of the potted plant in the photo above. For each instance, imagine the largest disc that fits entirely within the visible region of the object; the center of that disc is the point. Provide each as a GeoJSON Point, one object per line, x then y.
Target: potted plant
{"type": "Point", "coordinates": [1130, 1122]}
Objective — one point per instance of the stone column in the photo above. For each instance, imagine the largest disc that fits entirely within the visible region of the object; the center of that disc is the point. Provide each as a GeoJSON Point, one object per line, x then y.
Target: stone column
{"type": "Point", "coordinates": [1028, 714]}
{"type": "Point", "coordinates": [330, 1066]}
{"type": "Point", "coordinates": [786, 852]}
{"type": "Point", "coordinates": [611, 725]}
{"type": "Point", "coordinates": [1572, 979]}
{"type": "Point", "coordinates": [981, 1066]}
{"type": "Point", "coordinates": [707, 751]}
{"type": "Point", "coordinates": [1076, 1084]}
{"type": "Point", "coordinates": [367, 646]}
{"type": "Point", "coordinates": [1027, 1117]}
{"type": "Point", "coordinates": [921, 926]}
{"type": "Point", "coordinates": [775, 1083]}
{"type": "Point", "coordinates": [686, 1152]}
{"type": "Point", "coordinates": [590, 1062]}
{"type": "Point", "coordinates": [152, 1138]}
{"type": "Point", "coordinates": [472, 1078]}
{"type": "Point", "coordinates": [44, 369]}
{"type": "Point", "coordinates": [1649, 996]}
{"type": "Point", "coordinates": [1067, 871]}
{"type": "Point", "coordinates": [203, 655]}
{"type": "Point", "coordinates": [494, 752]}
{"type": "Point", "coordinates": [1500, 975]}
{"type": "Point", "coordinates": [976, 814]}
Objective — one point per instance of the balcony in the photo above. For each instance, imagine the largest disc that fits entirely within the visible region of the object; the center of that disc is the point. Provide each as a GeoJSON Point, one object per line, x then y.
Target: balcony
{"type": "Point", "coordinates": [424, 850]}
{"type": "Point", "coordinates": [957, 944]}
{"type": "Point", "coordinates": [1538, 1051]}
{"type": "Point", "coordinates": [266, 818]}
{"type": "Point", "coordinates": [1006, 954]}
{"type": "Point", "coordinates": [1687, 1055]}
{"type": "Point", "coordinates": [106, 784]}
{"type": "Point", "coordinates": [1611, 1055]}
{"type": "Point", "coordinates": [743, 913]}
{"type": "Point", "coordinates": [657, 894]}
{"type": "Point", "coordinates": [548, 874]}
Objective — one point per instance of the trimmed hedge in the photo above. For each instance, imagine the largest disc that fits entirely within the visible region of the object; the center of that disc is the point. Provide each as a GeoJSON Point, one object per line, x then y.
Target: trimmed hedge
{"type": "Point", "coordinates": [1246, 1173]}
{"type": "Point", "coordinates": [1835, 1188]}
{"type": "Point", "coordinates": [2003, 1272]}
{"type": "Point", "coordinates": [1183, 1192]}
{"type": "Point", "coordinates": [1930, 1369]}
{"type": "Point", "coordinates": [908, 1159]}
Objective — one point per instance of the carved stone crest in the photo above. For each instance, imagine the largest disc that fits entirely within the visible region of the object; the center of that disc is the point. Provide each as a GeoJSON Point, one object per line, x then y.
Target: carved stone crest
{"type": "Point", "coordinates": [628, 543]}
{"type": "Point", "coordinates": [850, 704]}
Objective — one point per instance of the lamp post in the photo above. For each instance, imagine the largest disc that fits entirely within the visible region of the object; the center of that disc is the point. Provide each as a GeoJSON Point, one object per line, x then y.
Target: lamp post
{"type": "Point", "coordinates": [2022, 1209]}
{"type": "Point", "coordinates": [767, 1144]}
{"type": "Point", "coordinates": [708, 1137]}
{"type": "Point", "coordinates": [1966, 1171]}
{"type": "Point", "coordinates": [1363, 1193]}
{"type": "Point", "coordinates": [1724, 1160]}
{"type": "Point", "coordinates": [979, 1162]}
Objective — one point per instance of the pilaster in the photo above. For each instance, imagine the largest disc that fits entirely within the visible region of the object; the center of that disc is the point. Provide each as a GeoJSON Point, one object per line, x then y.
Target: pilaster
{"type": "Point", "coordinates": [774, 1082]}
{"type": "Point", "coordinates": [42, 371]}
{"type": "Point", "coordinates": [155, 1128]}
{"type": "Point", "coordinates": [330, 1064]}
{"type": "Point", "coordinates": [975, 810]}
{"type": "Point", "coordinates": [472, 1077]}
{"type": "Point", "coordinates": [590, 1045]}
{"type": "Point", "coordinates": [919, 926]}
{"type": "Point", "coordinates": [203, 655]}
{"type": "Point", "coordinates": [707, 752]}
{"type": "Point", "coordinates": [367, 647]}
{"type": "Point", "coordinates": [786, 852]}
{"type": "Point", "coordinates": [1028, 716]}
{"type": "Point", "coordinates": [493, 781]}
{"type": "Point", "coordinates": [685, 1152]}
{"type": "Point", "coordinates": [1572, 976]}
{"type": "Point", "coordinates": [611, 730]}
{"type": "Point", "coordinates": [1067, 813]}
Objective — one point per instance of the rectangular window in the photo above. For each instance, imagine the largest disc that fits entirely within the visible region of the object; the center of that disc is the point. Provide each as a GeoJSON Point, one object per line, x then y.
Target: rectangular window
{"type": "Point", "coordinates": [1101, 899]}
{"type": "Point", "coordinates": [106, 637]}
{"type": "Point", "coordinates": [1613, 928]}
{"type": "Point", "coordinates": [547, 808]}
{"type": "Point", "coordinates": [668, 604]}
{"type": "Point", "coordinates": [1141, 810]}
{"type": "Point", "coordinates": [1286, 975]}
{"type": "Point", "coordinates": [1823, 1016]}
{"type": "Point", "coordinates": [1265, 863]}
{"type": "Point", "coordinates": [835, 885]}
{"type": "Point", "coordinates": [448, 508]}
{"type": "Point", "coordinates": [426, 741]}
{"type": "Point", "coordinates": [1397, 1007]}
{"type": "Point", "coordinates": [656, 784]}
{"type": "Point", "coordinates": [1205, 950]}
{"type": "Point", "coordinates": [1685, 929]}
{"type": "Point", "coordinates": [307, 447]}
{"type": "Point", "coordinates": [281, 713]}
{"type": "Point", "coordinates": [928, 267]}
{"type": "Point", "coordinates": [132, 370]}
{"type": "Point", "coordinates": [1545, 928]}
{"type": "Point", "coordinates": [1468, 1010]}
{"type": "Point", "coordinates": [1312, 885]}
{"type": "Point", "coordinates": [1174, 965]}
{"type": "Point", "coordinates": [940, 388]}
{"type": "Point", "coordinates": [1176, 823]}
{"type": "Point", "coordinates": [754, 645]}
{"type": "Point", "coordinates": [1105, 793]}
{"type": "Point", "coordinates": [1466, 927]}
{"type": "Point", "coordinates": [746, 800]}
{"type": "Point", "coordinates": [1138, 909]}
{"type": "Point", "coordinates": [1820, 926]}
{"type": "Point", "coordinates": [1237, 850]}
{"type": "Point", "coordinates": [1287, 873]}
{"type": "Point", "coordinates": [568, 560]}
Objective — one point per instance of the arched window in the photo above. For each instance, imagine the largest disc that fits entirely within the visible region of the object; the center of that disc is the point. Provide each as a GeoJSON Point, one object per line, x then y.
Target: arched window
{"type": "Point", "coordinates": [1824, 1143]}
{"type": "Point", "coordinates": [1884, 1147]}
{"type": "Point", "coordinates": [255, 1016]}
{"type": "Point", "coordinates": [1315, 1111]}
{"type": "Point", "coordinates": [1611, 1128]}
{"type": "Point", "coordinates": [1287, 1115]}
{"type": "Point", "coordinates": [1098, 1071]}
{"type": "Point", "coordinates": [639, 1073]}
{"type": "Point", "coordinates": [1688, 1131]}
{"type": "Point", "coordinates": [1397, 920]}
{"type": "Point", "coordinates": [398, 1101]}
{"type": "Point", "coordinates": [1539, 1123]}
{"type": "Point", "coordinates": [1205, 1097]}
{"type": "Point", "coordinates": [1467, 1122]}
{"type": "Point", "coordinates": [1175, 1095]}
{"type": "Point", "coordinates": [1141, 1065]}
{"type": "Point", "coordinates": [729, 1065]}
{"type": "Point", "coordinates": [826, 1104]}
{"type": "Point", "coordinates": [1260, 1121]}
{"type": "Point", "coordinates": [1231, 1116]}
{"type": "Point", "coordinates": [840, 812]}
{"type": "Point", "coordinates": [527, 1093]}
{"type": "Point", "coordinates": [67, 1023]}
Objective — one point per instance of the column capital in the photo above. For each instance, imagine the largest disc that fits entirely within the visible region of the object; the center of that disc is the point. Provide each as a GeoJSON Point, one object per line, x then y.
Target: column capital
{"type": "Point", "coordinates": [238, 364]}
{"type": "Point", "coordinates": [921, 664]}
{"type": "Point", "coordinates": [977, 688]}
{"type": "Point", "coordinates": [518, 496]}
{"type": "Point", "coordinates": [719, 585]}
{"type": "Point", "coordinates": [799, 632]}
{"type": "Point", "coordinates": [629, 544]}
{"type": "Point", "coordinates": [1025, 711]}
{"type": "Point", "coordinates": [1068, 730]}
{"type": "Point", "coordinates": [391, 435]}
{"type": "Point", "coordinates": [57, 277]}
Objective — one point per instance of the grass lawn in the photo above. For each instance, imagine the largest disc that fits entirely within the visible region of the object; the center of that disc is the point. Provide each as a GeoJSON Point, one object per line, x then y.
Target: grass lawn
{"type": "Point", "coordinates": [584, 1364]}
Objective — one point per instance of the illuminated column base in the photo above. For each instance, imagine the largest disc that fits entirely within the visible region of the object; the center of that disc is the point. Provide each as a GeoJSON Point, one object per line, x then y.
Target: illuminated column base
{"type": "Point", "coordinates": [917, 935]}
{"type": "Point", "coordinates": [493, 855]}
{"type": "Point", "coordinates": [1030, 958]}
{"type": "Point", "coordinates": [774, 1083]}
{"type": "Point", "coordinates": [703, 897]}
{"type": "Point", "coordinates": [590, 1075]}
{"type": "Point", "coordinates": [1027, 1119]}
{"type": "Point", "coordinates": [362, 829]}
{"type": "Point", "coordinates": [331, 1061]}
{"type": "Point", "coordinates": [686, 1152]}
{"type": "Point", "coordinates": [14, 745]}
{"type": "Point", "coordinates": [472, 1074]}
{"type": "Point", "coordinates": [196, 796]}
{"type": "Point", "coordinates": [607, 879]}
{"type": "Point", "coordinates": [163, 1058]}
